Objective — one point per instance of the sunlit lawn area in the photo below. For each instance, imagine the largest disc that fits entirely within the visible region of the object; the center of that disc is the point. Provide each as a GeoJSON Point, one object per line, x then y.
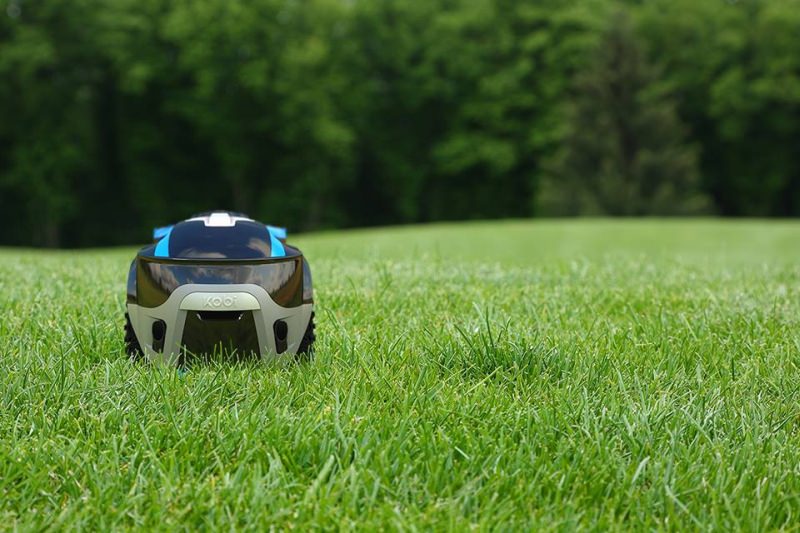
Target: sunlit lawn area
{"type": "Point", "coordinates": [623, 374]}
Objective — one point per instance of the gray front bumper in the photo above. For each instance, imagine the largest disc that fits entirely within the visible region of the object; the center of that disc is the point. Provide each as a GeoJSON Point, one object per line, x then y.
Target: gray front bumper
{"type": "Point", "coordinates": [197, 297]}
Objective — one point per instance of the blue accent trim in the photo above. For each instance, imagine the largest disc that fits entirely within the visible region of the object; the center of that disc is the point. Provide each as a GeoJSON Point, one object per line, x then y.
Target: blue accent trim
{"type": "Point", "coordinates": [161, 232]}
{"type": "Point", "coordinates": [276, 246]}
{"type": "Point", "coordinates": [277, 231]}
{"type": "Point", "coordinates": [162, 248]}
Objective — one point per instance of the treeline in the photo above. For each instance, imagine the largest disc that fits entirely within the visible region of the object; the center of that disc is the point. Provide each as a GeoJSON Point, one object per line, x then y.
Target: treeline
{"type": "Point", "coordinates": [118, 115]}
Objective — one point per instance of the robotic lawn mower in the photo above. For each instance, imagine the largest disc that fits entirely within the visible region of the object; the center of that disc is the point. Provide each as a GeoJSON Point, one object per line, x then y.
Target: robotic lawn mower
{"type": "Point", "coordinates": [219, 283]}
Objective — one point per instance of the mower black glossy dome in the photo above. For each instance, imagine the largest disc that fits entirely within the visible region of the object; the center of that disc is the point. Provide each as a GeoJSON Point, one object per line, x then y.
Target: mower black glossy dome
{"type": "Point", "coordinates": [220, 236]}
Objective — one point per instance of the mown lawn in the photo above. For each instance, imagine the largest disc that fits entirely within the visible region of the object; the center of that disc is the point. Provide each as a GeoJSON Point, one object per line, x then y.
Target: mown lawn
{"type": "Point", "coordinates": [623, 374]}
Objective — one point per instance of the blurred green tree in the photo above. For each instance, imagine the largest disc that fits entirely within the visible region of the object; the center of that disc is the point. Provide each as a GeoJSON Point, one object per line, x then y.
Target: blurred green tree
{"type": "Point", "coordinates": [755, 104]}
{"type": "Point", "coordinates": [116, 115]}
{"type": "Point", "coordinates": [48, 147]}
{"type": "Point", "coordinates": [624, 152]}
{"type": "Point", "coordinates": [733, 69]}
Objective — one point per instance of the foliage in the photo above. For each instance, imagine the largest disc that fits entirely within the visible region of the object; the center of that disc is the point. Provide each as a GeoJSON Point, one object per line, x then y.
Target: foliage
{"type": "Point", "coordinates": [624, 152]}
{"type": "Point", "coordinates": [116, 115]}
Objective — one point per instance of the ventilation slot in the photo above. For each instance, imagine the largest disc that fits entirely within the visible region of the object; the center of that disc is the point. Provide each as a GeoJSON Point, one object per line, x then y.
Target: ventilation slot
{"type": "Point", "coordinates": [219, 315]}
{"type": "Point", "coordinates": [281, 331]}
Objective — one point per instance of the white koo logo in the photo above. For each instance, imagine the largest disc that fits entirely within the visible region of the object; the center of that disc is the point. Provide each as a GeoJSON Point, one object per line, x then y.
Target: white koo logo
{"type": "Point", "coordinates": [220, 301]}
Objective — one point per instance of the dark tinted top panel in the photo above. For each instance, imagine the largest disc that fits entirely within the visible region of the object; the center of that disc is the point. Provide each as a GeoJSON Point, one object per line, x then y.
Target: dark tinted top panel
{"type": "Point", "coordinates": [194, 240]}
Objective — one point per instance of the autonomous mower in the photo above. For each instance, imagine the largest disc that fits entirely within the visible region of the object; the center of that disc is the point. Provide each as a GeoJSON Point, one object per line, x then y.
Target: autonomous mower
{"type": "Point", "coordinates": [219, 284]}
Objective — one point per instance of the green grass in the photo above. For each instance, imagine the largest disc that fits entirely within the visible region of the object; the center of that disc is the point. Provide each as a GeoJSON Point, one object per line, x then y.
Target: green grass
{"type": "Point", "coordinates": [630, 374]}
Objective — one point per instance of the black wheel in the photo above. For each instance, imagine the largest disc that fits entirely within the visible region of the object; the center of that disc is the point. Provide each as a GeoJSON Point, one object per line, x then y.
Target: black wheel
{"type": "Point", "coordinates": [132, 347]}
{"type": "Point", "coordinates": [306, 350]}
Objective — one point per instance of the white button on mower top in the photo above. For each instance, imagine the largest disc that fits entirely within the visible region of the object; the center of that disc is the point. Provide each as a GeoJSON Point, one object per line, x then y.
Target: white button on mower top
{"type": "Point", "coordinates": [220, 220]}
{"type": "Point", "coordinates": [219, 301]}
